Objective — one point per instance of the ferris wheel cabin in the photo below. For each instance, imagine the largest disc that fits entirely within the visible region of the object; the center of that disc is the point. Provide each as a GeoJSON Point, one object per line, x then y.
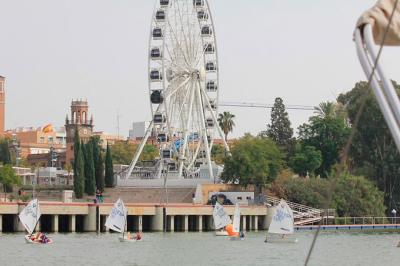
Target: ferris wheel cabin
{"type": "Point", "coordinates": [156, 97]}
{"type": "Point", "coordinates": [155, 75]}
{"type": "Point", "coordinates": [211, 85]}
{"type": "Point", "coordinates": [157, 33]}
{"type": "Point", "coordinates": [155, 53]}
{"type": "Point", "coordinates": [164, 3]}
{"type": "Point", "coordinates": [198, 3]}
{"type": "Point", "coordinates": [209, 48]}
{"type": "Point", "coordinates": [202, 15]}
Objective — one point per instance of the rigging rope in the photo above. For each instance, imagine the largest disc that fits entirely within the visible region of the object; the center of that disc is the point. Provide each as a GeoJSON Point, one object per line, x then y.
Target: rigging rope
{"type": "Point", "coordinates": [352, 134]}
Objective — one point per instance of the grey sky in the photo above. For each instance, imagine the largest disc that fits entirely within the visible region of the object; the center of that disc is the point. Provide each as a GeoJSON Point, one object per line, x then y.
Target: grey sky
{"type": "Point", "coordinates": [53, 51]}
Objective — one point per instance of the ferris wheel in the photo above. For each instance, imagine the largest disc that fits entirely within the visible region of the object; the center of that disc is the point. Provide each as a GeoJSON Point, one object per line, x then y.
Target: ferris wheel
{"type": "Point", "coordinates": [183, 86]}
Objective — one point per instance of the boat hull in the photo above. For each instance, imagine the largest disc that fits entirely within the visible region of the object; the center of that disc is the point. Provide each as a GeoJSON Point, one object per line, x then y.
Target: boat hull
{"type": "Point", "coordinates": [280, 239]}
{"type": "Point", "coordinates": [221, 233]}
{"type": "Point", "coordinates": [28, 240]}
{"type": "Point", "coordinates": [125, 239]}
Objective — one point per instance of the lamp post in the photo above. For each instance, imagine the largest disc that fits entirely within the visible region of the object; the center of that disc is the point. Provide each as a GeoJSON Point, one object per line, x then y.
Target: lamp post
{"type": "Point", "coordinates": [394, 215]}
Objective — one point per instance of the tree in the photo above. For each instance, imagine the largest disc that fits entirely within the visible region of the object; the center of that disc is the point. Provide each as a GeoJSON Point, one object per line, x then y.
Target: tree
{"type": "Point", "coordinates": [373, 152]}
{"type": "Point", "coordinates": [98, 162]}
{"type": "Point", "coordinates": [5, 155]}
{"type": "Point", "coordinates": [149, 153]}
{"type": "Point", "coordinates": [8, 178]}
{"type": "Point", "coordinates": [123, 152]}
{"type": "Point", "coordinates": [328, 135]}
{"type": "Point", "coordinates": [254, 161]}
{"type": "Point", "coordinates": [109, 176]}
{"type": "Point", "coordinates": [280, 130]}
{"type": "Point", "coordinates": [226, 123]}
{"type": "Point", "coordinates": [90, 180]}
{"type": "Point", "coordinates": [218, 154]}
{"type": "Point", "coordinates": [68, 168]}
{"type": "Point", "coordinates": [79, 167]}
{"type": "Point", "coordinates": [305, 160]}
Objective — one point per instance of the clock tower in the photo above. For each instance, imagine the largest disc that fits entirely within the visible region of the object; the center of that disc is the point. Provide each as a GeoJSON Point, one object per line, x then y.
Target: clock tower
{"type": "Point", "coordinates": [79, 121]}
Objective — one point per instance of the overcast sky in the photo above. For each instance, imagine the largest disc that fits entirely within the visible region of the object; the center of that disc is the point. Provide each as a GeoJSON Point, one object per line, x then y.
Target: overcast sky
{"type": "Point", "coordinates": [54, 50]}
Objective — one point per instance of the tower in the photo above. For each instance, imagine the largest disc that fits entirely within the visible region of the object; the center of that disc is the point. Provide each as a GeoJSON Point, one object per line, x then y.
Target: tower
{"type": "Point", "coordinates": [79, 121]}
{"type": "Point", "coordinates": [2, 105]}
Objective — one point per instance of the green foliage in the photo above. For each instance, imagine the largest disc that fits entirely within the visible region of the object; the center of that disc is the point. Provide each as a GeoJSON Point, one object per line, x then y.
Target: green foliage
{"type": "Point", "coordinates": [305, 160]}
{"type": "Point", "coordinates": [90, 180]}
{"type": "Point", "coordinates": [373, 152]}
{"type": "Point", "coordinates": [226, 123]}
{"type": "Point", "coordinates": [79, 167]}
{"type": "Point", "coordinates": [8, 178]}
{"type": "Point", "coordinates": [109, 171]}
{"type": "Point", "coordinates": [279, 130]}
{"type": "Point", "coordinates": [351, 196]}
{"type": "Point", "coordinates": [327, 134]}
{"type": "Point", "coordinates": [98, 162]}
{"type": "Point", "coordinates": [254, 161]}
{"type": "Point", "coordinates": [218, 154]}
{"type": "Point", "coordinates": [356, 196]}
{"type": "Point", "coordinates": [123, 152]}
{"type": "Point", "coordinates": [5, 155]}
{"type": "Point", "coordinates": [149, 153]}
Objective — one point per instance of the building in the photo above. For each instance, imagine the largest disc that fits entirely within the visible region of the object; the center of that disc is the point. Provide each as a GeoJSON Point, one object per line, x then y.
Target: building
{"type": "Point", "coordinates": [38, 140]}
{"type": "Point", "coordinates": [2, 105]}
{"type": "Point", "coordinates": [138, 130]}
{"type": "Point", "coordinates": [79, 121]}
{"type": "Point", "coordinates": [107, 138]}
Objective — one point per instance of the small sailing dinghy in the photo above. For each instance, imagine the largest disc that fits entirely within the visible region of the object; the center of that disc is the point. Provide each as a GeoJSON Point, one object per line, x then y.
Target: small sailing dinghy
{"type": "Point", "coordinates": [29, 217]}
{"type": "Point", "coordinates": [116, 221]}
{"type": "Point", "coordinates": [281, 228]}
{"type": "Point", "coordinates": [221, 219]}
{"type": "Point", "coordinates": [234, 229]}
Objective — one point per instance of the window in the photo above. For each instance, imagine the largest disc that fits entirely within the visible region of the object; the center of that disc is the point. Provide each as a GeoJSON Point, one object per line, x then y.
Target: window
{"type": "Point", "coordinates": [239, 198]}
{"type": "Point", "coordinates": [248, 198]}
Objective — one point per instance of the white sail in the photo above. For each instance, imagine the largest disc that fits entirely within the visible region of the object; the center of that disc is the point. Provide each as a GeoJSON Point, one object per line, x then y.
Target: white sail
{"type": "Point", "coordinates": [30, 215]}
{"type": "Point", "coordinates": [117, 218]}
{"type": "Point", "coordinates": [221, 219]}
{"type": "Point", "coordinates": [282, 221]}
{"type": "Point", "coordinates": [236, 219]}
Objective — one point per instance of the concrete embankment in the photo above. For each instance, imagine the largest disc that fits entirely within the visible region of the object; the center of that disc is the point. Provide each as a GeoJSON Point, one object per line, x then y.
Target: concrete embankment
{"type": "Point", "coordinates": [88, 217]}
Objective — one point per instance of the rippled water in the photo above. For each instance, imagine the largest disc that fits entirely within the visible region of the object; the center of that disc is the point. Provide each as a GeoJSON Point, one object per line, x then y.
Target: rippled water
{"type": "Point", "coordinates": [332, 248]}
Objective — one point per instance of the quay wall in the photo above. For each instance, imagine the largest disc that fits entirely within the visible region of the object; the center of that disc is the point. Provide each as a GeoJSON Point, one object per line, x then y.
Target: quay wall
{"type": "Point", "coordinates": [90, 217]}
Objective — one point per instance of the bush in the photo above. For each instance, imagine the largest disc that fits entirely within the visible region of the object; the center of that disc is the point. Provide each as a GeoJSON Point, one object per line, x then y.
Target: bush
{"type": "Point", "coordinates": [352, 196]}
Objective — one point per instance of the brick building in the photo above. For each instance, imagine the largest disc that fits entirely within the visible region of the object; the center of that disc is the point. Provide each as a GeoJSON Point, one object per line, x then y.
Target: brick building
{"type": "Point", "coordinates": [79, 121]}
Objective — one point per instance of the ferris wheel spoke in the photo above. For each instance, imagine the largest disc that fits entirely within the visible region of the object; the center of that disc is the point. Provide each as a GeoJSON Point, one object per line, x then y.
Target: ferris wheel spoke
{"type": "Point", "coordinates": [177, 44]}
{"type": "Point", "coordinates": [184, 83]}
{"type": "Point", "coordinates": [186, 131]}
{"type": "Point", "coordinates": [221, 134]}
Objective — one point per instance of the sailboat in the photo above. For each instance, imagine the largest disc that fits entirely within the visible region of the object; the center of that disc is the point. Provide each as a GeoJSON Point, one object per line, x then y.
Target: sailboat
{"type": "Point", "coordinates": [29, 217]}
{"type": "Point", "coordinates": [282, 225]}
{"type": "Point", "coordinates": [234, 229]}
{"type": "Point", "coordinates": [116, 221]}
{"type": "Point", "coordinates": [221, 219]}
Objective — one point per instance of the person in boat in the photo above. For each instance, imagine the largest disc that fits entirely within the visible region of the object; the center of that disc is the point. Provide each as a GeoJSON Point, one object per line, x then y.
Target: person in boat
{"type": "Point", "coordinates": [138, 236]}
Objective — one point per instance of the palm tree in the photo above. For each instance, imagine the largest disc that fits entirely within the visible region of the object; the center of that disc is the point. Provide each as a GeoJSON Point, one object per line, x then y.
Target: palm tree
{"type": "Point", "coordinates": [325, 109]}
{"type": "Point", "coordinates": [331, 110]}
{"type": "Point", "coordinates": [226, 123]}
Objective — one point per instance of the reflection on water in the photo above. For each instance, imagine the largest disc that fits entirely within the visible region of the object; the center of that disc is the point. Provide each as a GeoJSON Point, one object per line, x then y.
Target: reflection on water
{"type": "Point", "coordinates": [332, 248]}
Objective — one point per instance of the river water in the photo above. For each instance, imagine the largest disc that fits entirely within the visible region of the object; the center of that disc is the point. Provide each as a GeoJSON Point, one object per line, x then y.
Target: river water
{"type": "Point", "coordinates": [332, 248]}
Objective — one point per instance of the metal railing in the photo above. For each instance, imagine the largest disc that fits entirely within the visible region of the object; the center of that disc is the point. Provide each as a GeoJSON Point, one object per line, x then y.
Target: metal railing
{"type": "Point", "coordinates": [363, 220]}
